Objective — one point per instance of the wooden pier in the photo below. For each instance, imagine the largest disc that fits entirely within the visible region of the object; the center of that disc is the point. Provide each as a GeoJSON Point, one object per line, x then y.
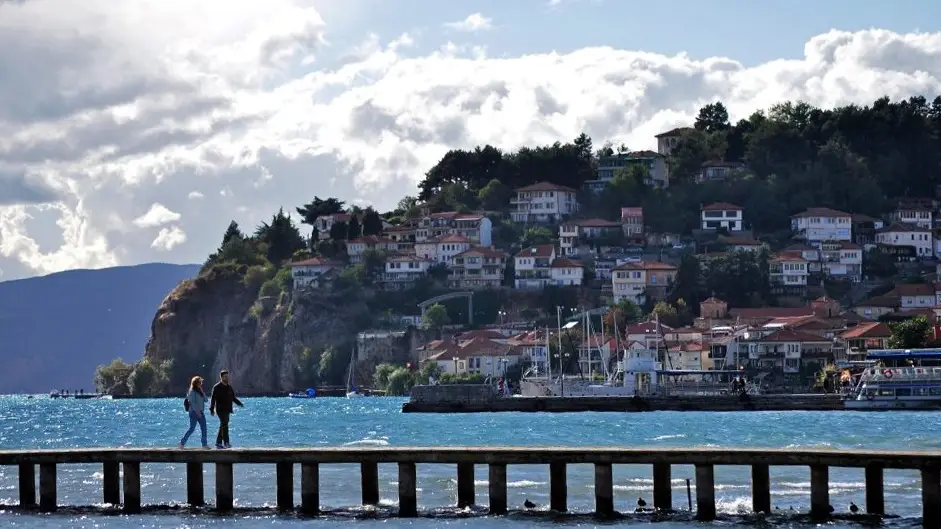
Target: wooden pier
{"type": "Point", "coordinates": [127, 492]}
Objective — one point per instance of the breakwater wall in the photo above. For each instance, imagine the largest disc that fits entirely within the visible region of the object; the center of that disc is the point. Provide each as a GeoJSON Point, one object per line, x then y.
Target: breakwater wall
{"type": "Point", "coordinates": [482, 398]}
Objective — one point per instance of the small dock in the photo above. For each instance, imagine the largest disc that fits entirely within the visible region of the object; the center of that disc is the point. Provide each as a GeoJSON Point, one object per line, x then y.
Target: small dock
{"type": "Point", "coordinates": [127, 492]}
{"type": "Point", "coordinates": [483, 399]}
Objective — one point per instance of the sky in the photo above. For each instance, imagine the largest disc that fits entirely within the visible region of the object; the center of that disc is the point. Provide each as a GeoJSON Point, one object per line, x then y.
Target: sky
{"type": "Point", "coordinates": [134, 131]}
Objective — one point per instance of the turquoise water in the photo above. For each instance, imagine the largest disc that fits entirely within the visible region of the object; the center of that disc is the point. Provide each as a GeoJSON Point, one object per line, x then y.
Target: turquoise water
{"type": "Point", "coordinates": [44, 423]}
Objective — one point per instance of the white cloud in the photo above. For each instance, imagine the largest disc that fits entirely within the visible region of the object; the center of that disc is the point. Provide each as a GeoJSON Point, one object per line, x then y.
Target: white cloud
{"type": "Point", "coordinates": [168, 238]}
{"type": "Point", "coordinates": [157, 215]}
{"type": "Point", "coordinates": [169, 97]}
{"type": "Point", "coordinates": [474, 22]}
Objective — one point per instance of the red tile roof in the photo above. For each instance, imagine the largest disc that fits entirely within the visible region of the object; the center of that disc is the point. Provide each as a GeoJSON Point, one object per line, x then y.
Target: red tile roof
{"type": "Point", "coordinates": [597, 223]}
{"type": "Point", "coordinates": [453, 238]}
{"type": "Point", "coordinates": [483, 250]}
{"type": "Point", "coordinates": [712, 299]}
{"type": "Point", "coordinates": [740, 241]}
{"type": "Point", "coordinates": [872, 329]}
{"type": "Point", "coordinates": [890, 302]}
{"type": "Point", "coordinates": [545, 186]}
{"type": "Point", "coordinates": [562, 262]}
{"type": "Point", "coordinates": [540, 250]}
{"type": "Point", "coordinates": [646, 327]}
{"type": "Point", "coordinates": [901, 227]}
{"type": "Point", "coordinates": [722, 206]}
{"type": "Point", "coordinates": [918, 289]}
{"type": "Point", "coordinates": [770, 312]}
{"type": "Point", "coordinates": [820, 212]}
{"type": "Point", "coordinates": [316, 261]}
{"type": "Point", "coordinates": [788, 256]}
{"type": "Point", "coordinates": [645, 265]}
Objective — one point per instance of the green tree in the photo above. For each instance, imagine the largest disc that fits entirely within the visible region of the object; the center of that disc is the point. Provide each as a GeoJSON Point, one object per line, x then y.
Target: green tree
{"type": "Point", "coordinates": [338, 231]}
{"type": "Point", "coordinates": [712, 118]}
{"type": "Point", "coordinates": [910, 334]}
{"type": "Point", "coordinates": [435, 317]}
{"type": "Point", "coordinates": [319, 208]}
{"type": "Point", "coordinates": [623, 313]}
{"type": "Point", "coordinates": [687, 285]}
{"type": "Point", "coordinates": [372, 222]}
{"type": "Point", "coordinates": [495, 196]}
{"type": "Point", "coordinates": [400, 382]}
{"type": "Point", "coordinates": [353, 229]}
{"type": "Point", "coordinates": [535, 235]}
{"type": "Point", "coordinates": [281, 237]}
{"type": "Point", "coordinates": [110, 375]}
{"type": "Point", "coordinates": [149, 378]}
{"type": "Point", "coordinates": [328, 366]}
{"type": "Point", "coordinates": [666, 313]}
{"type": "Point", "coordinates": [232, 232]}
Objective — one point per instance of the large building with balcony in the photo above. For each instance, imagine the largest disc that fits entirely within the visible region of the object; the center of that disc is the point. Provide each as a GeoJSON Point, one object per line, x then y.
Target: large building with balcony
{"type": "Point", "coordinates": [632, 224]}
{"type": "Point", "coordinates": [907, 235]}
{"type": "Point", "coordinates": [543, 203]}
{"type": "Point", "coordinates": [722, 215]}
{"type": "Point", "coordinates": [653, 164]}
{"type": "Point", "coordinates": [477, 268]}
{"type": "Point", "coordinates": [639, 280]}
{"type": "Point", "coordinates": [403, 270]}
{"type": "Point", "coordinates": [533, 266]}
{"type": "Point", "coordinates": [309, 272]}
{"type": "Point", "coordinates": [477, 229]}
{"type": "Point", "coordinates": [816, 225]}
{"type": "Point", "coordinates": [787, 273]}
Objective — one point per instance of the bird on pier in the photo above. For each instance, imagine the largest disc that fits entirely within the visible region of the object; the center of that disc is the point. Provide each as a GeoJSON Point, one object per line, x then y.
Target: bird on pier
{"type": "Point", "coordinates": [853, 508]}
{"type": "Point", "coordinates": [529, 505]}
{"type": "Point", "coordinates": [641, 503]}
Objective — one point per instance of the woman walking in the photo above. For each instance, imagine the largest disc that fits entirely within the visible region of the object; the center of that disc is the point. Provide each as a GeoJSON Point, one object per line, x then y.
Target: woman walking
{"type": "Point", "coordinates": [196, 400]}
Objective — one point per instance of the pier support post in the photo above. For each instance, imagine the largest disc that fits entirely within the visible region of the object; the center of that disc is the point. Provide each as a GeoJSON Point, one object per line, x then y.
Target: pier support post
{"type": "Point", "coordinates": [497, 479]}
{"type": "Point", "coordinates": [761, 488]}
{"type": "Point", "coordinates": [111, 482]}
{"type": "Point", "coordinates": [195, 489]}
{"type": "Point", "coordinates": [465, 485]}
{"type": "Point", "coordinates": [662, 487]}
{"type": "Point", "coordinates": [310, 488]}
{"type": "Point", "coordinates": [604, 490]}
{"type": "Point", "coordinates": [931, 498]}
{"type": "Point", "coordinates": [27, 478]}
{"type": "Point", "coordinates": [408, 490]}
{"type": "Point", "coordinates": [558, 487]}
{"type": "Point", "coordinates": [875, 491]}
{"type": "Point", "coordinates": [705, 493]}
{"type": "Point", "coordinates": [225, 498]}
{"type": "Point", "coordinates": [819, 492]}
{"type": "Point", "coordinates": [284, 473]}
{"type": "Point", "coordinates": [47, 487]}
{"type": "Point", "coordinates": [132, 499]}
{"type": "Point", "coordinates": [369, 482]}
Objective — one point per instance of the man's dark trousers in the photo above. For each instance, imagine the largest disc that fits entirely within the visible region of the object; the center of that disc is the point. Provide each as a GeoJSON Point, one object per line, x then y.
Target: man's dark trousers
{"type": "Point", "coordinates": [222, 438]}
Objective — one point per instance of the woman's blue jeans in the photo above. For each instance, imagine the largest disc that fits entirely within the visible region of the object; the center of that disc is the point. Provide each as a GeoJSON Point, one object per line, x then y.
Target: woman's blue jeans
{"type": "Point", "coordinates": [196, 418]}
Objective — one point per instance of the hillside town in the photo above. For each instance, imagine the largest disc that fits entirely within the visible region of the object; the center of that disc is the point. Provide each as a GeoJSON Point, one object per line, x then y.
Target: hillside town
{"type": "Point", "coordinates": [829, 288]}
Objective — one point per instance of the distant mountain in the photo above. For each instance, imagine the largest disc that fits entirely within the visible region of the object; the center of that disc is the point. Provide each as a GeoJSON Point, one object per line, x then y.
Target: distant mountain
{"type": "Point", "coordinates": [56, 329]}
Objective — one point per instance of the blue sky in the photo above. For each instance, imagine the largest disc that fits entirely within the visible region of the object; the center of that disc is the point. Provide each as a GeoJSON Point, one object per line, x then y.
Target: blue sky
{"type": "Point", "coordinates": [750, 31]}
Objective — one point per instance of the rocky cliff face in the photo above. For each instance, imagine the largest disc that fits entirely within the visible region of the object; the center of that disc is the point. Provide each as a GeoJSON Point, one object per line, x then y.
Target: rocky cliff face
{"type": "Point", "coordinates": [218, 322]}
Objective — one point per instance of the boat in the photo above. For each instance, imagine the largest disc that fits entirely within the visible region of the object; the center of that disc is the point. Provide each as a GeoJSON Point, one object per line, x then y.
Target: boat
{"type": "Point", "coordinates": [352, 392]}
{"type": "Point", "coordinates": [309, 394]}
{"type": "Point", "coordinates": [898, 379]}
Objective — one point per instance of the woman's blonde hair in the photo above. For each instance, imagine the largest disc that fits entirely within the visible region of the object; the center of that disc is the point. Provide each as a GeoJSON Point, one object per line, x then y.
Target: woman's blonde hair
{"type": "Point", "coordinates": [196, 383]}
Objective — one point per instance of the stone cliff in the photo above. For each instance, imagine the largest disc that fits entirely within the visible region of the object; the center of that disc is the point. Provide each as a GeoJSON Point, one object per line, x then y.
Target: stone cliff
{"type": "Point", "coordinates": [217, 321]}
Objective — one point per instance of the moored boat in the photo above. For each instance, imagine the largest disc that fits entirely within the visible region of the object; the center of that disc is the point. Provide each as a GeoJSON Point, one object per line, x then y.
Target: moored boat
{"type": "Point", "coordinates": [898, 379]}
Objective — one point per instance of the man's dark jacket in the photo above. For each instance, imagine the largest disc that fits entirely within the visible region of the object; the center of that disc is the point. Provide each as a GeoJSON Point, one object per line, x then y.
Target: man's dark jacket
{"type": "Point", "coordinates": [223, 397]}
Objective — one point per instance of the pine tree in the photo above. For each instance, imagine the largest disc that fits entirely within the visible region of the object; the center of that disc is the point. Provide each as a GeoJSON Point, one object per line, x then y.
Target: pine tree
{"type": "Point", "coordinates": [353, 229]}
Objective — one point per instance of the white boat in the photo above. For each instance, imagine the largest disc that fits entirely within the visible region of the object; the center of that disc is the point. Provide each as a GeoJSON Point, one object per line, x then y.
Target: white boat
{"type": "Point", "coordinates": [899, 379]}
{"type": "Point", "coordinates": [352, 392]}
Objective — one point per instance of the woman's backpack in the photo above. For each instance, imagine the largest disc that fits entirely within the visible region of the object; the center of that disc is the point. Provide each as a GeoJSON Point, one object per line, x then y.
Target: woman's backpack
{"type": "Point", "coordinates": [186, 404]}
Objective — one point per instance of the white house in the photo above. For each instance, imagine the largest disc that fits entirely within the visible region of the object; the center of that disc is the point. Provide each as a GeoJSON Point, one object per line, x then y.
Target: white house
{"type": "Point", "coordinates": [566, 272]}
{"type": "Point", "coordinates": [722, 215]}
{"type": "Point", "coordinates": [899, 234]}
{"type": "Point", "coordinates": [403, 270]}
{"type": "Point", "coordinates": [921, 217]}
{"type": "Point", "coordinates": [788, 269]}
{"type": "Point", "coordinates": [307, 272]}
{"type": "Point", "coordinates": [842, 259]}
{"type": "Point", "coordinates": [478, 355]}
{"type": "Point", "coordinates": [740, 244]}
{"type": "Point", "coordinates": [449, 246]}
{"type": "Point", "coordinates": [543, 202]}
{"type": "Point", "coordinates": [476, 228]}
{"type": "Point", "coordinates": [915, 296]}
{"type": "Point", "coordinates": [629, 281]}
{"type": "Point", "coordinates": [816, 225]}
{"type": "Point", "coordinates": [532, 266]}
{"type": "Point", "coordinates": [325, 222]}
{"type": "Point", "coordinates": [477, 268]}
{"type": "Point", "coordinates": [666, 141]}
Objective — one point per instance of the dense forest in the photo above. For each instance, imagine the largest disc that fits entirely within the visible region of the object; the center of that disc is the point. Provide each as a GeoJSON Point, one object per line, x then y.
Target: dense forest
{"type": "Point", "coordinates": [852, 158]}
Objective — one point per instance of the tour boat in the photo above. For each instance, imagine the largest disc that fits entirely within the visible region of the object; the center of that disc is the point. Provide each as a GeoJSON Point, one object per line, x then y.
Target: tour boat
{"type": "Point", "coordinates": [898, 379]}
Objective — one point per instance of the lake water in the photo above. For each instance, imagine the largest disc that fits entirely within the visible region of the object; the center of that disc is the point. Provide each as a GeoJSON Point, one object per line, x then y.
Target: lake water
{"type": "Point", "coordinates": [44, 423]}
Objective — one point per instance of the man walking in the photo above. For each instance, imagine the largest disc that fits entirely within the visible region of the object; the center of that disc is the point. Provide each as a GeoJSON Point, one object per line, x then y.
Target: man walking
{"type": "Point", "coordinates": [223, 397]}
